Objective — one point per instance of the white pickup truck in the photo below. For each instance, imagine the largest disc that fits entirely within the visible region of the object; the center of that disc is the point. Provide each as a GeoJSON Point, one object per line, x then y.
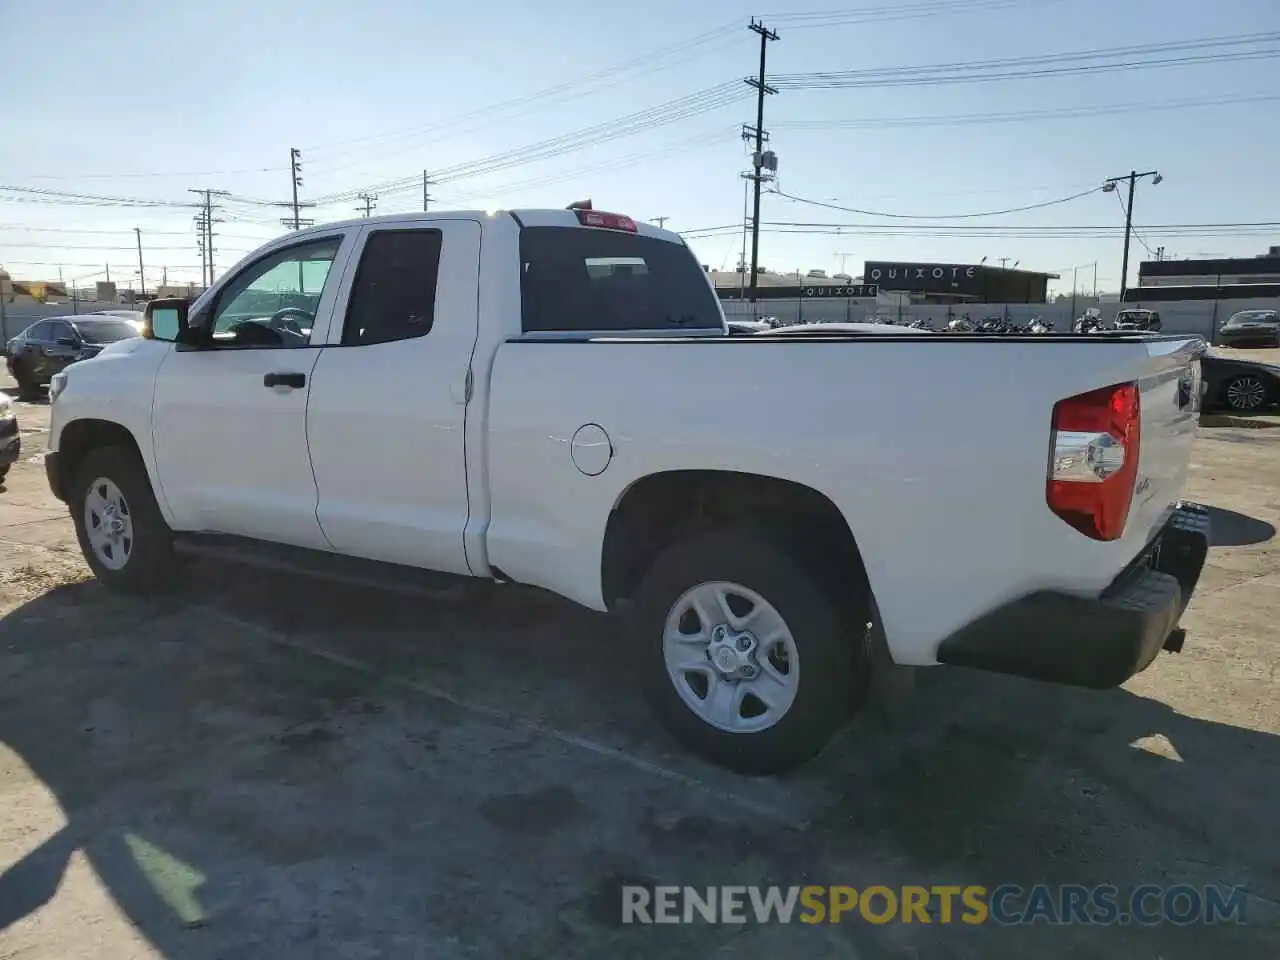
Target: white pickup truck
{"type": "Point", "coordinates": [550, 397]}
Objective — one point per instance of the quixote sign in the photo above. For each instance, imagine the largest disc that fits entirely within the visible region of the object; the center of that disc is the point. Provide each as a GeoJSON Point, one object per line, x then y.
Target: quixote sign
{"type": "Point", "coordinates": [926, 277]}
{"type": "Point", "coordinates": [816, 291]}
{"type": "Point", "coordinates": [832, 290]}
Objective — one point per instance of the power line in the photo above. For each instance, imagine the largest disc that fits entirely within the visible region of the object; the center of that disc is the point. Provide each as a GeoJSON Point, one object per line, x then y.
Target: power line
{"type": "Point", "coordinates": [939, 216]}
{"type": "Point", "coordinates": [368, 201]}
{"type": "Point", "coordinates": [1033, 66]}
{"type": "Point", "coordinates": [577, 87]}
{"type": "Point", "coordinates": [907, 11]}
{"type": "Point", "coordinates": [1073, 231]}
{"type": "Point", "coordinates": [152, 175]}
{"type": "Point", "coordinates": [94, 246]}
{"type": "Point", "coordinates": [117, 266]}
{"type": "Point", "coordinates": [34, 229]}
{"type": "Point", "coordinates": [39, 193]}
{"type": "Point", "coordinates": [945, 120]}
{"type": "Point", "coordinates": [620, 162]}
{"type": "Point", "coordinates": [642, 121]}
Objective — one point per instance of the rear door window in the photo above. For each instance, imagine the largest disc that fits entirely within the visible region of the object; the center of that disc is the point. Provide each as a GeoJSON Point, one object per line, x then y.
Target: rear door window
{"type": "Point", "coordinates": [394, 293]}
{"type": "Point", "coordinates": [576, 279]}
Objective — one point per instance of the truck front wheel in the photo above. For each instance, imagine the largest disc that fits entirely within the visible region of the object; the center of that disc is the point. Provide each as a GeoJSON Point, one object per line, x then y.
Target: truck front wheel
{"type": "Point", "coordinates": [750, 658]}
{"type": "Point", "coordinates": [122, 534]}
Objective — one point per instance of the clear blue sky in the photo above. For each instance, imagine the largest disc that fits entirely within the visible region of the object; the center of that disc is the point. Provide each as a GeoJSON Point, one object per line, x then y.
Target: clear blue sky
{"type": "Point", "coordinates": [214, 95]}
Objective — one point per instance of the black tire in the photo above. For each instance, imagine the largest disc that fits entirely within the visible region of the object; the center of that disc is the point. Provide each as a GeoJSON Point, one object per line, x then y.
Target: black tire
{"type": "Point", "coordinates": [826, 621]}
{"type": "Point", "coordinates": [151, 564]}
{"type": "Point", "coordinates": [27, 388]}
{"type": "Point", "coordinates": [4, 472]}
{"type": "Point", "coordinates": [1239, 392]}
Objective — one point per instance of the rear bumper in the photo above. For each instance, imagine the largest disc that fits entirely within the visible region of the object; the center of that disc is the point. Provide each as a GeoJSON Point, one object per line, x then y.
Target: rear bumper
{"type": "Point", "coordinates": [1094, 641]}
{"type": "Point", "coordinates": [1249, 335]}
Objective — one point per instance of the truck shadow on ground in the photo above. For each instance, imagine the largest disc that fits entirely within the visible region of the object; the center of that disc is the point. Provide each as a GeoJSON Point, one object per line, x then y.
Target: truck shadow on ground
{"type": "Point", "coordinates": [127, 722]}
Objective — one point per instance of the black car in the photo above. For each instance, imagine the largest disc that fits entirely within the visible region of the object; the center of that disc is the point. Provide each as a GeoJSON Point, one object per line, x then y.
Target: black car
{"type": "Point", "coordinates": [10, 439]}
{"type": "Point", "coordinates": [1240, 385]}
{"type": "Point", "coordinates": [50, 345]}
{"type": "Point", "coordinates": [1259, 327]}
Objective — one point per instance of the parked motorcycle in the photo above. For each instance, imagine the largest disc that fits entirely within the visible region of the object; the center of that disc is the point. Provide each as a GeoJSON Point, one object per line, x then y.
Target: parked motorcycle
{"type": "Point", "coordinates": [961, 325]}
{"type": "Point", "coordinates": [1039, 325]}
{"type": "Point", "coordinates": [994, 324]}
{"type": "Point", "coordinates": [923, 323]}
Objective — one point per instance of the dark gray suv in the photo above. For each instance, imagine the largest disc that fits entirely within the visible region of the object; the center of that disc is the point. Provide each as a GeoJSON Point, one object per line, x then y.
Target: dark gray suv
{"type": "Point", "coordinates": [51, 344]}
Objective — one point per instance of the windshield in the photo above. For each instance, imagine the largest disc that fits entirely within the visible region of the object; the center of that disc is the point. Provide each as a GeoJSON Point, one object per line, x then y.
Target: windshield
{"type": "Point", "coordinates": [1253, 316]}
{"type": "Point", "coordinates": [106, 330]}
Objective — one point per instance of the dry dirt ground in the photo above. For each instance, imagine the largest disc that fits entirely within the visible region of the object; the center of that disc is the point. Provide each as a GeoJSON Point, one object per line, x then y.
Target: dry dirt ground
{"type": "Point", "coordinates": [259, 766]}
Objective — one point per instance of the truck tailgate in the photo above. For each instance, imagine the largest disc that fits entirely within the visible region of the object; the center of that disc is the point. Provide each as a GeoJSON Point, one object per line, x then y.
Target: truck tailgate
{"type": "Point", "coordinates": [1169, 394]}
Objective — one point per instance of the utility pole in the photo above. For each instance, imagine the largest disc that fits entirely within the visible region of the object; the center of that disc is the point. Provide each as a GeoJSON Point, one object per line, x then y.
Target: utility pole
{"type": "Point", "coordinates": [295, 221]}
{"type": "Point", "coordinates": [295, 179]}
{"type": "Point", "coordinates": [661, 222]}
{"type": "Point", "coordinates": [1109, 185]}
{"type": "Point", "coordinates": [757, 160]}
{"type": "Point", "coordinates": [426, 197]}
{"type": "Point", "coordinates": [370, 200]}
{"type": "Point", "coordinates": [204, 222]}
{"type": "Point", "coordinates": [1003, 261]}
{"type": "Point", "coordinates": [746, 210]}
{"type": "Point", "coordinates": [142, 280]}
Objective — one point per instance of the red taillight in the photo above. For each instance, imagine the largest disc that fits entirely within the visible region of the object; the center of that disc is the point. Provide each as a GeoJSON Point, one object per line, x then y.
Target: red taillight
{"type": "Point", "coordinates": [1093, 460]}
{"type": "Point", "coordinates": [607, 221]}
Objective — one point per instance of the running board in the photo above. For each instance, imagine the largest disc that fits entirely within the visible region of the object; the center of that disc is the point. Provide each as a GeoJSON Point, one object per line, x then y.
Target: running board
{"type": "Point", "coordinates": [321, 564]}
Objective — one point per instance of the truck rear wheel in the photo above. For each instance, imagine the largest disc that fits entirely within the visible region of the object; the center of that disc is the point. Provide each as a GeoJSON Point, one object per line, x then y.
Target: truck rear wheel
{"type": "Point", "coordinates": [749, 658]}
{"type": "Point", "coordinates": [122, 534]}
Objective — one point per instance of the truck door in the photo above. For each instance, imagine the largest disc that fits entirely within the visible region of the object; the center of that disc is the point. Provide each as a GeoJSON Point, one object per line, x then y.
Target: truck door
{"type": "Point", "coordinates": [389, 396]}
{"type": "Point", "coordinates": [230, 417]}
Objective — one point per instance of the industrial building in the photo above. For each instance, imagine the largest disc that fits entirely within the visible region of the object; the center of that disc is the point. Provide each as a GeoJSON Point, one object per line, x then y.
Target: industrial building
{"type": "Point", "coordinates": [1226, 278]}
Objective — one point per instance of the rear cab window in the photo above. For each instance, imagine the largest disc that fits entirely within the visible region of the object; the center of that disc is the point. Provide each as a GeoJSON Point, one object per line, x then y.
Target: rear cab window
{"type": "Point", "coordinates": [585, 280]}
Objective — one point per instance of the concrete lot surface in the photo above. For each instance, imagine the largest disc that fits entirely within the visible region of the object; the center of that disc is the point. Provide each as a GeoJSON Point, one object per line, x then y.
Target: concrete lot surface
{"type": "Point", "coordinates": [263, 767]}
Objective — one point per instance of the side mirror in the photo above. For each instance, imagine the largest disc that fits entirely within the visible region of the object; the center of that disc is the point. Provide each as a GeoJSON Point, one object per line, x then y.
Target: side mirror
{"type": "Point", "coordinates": [165, 319]}
{"type": "Point", "coordinates": [67, 342]}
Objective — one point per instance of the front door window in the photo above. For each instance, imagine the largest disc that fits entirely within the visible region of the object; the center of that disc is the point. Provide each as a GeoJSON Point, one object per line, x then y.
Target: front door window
{"type": "Point", "coordinates": [273, 302]}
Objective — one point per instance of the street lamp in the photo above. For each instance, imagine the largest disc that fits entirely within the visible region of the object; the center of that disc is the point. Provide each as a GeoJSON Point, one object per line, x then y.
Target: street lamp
{"type": "Point", "coordinates": [1109, 186]}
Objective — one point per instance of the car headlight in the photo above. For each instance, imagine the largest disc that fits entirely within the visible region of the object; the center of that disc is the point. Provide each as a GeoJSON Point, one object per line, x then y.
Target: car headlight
{"type": "Point", "coordinates": [56, 386]}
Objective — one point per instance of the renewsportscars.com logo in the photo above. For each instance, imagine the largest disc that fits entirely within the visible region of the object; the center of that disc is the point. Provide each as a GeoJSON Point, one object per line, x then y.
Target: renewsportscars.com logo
{"type": "Point", "coordinates": [1005, 905]}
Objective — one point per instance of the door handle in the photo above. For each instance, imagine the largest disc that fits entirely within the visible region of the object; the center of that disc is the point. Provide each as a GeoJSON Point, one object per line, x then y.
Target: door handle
{"type": "Point", "coordinates": [293, 381]}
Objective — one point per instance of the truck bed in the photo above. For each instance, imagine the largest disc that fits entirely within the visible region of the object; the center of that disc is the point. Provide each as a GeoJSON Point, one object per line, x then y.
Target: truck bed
{"type": "Point", "coordinates": [935, 453]}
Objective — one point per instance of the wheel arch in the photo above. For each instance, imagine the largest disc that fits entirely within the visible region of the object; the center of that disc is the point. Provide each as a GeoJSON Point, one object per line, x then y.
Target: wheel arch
{"type": "Point", "coordinates": [656, 510]}
{"type": "Point", "coordinates": [78, 438]}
